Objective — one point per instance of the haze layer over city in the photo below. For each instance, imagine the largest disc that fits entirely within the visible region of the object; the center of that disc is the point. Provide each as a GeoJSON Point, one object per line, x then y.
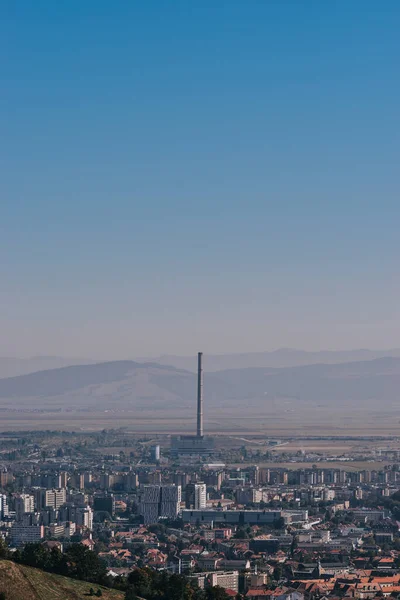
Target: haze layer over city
{"type": "Point", "coordinates": [199, 300]}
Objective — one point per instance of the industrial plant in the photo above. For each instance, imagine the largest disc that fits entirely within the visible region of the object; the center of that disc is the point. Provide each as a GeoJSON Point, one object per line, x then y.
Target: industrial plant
{"type": "Point", "coordinates": [194, 445]}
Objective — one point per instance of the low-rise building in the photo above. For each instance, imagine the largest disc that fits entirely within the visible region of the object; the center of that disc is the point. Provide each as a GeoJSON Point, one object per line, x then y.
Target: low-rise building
{"type": "Point", "coordinates": [25, 534]}
{"type": "Point", "coordinates": [225, 579]}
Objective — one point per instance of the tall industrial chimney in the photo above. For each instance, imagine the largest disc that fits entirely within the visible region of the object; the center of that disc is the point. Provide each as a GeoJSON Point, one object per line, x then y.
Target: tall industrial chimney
{"type": "Point", "coordinates": [200, 394]}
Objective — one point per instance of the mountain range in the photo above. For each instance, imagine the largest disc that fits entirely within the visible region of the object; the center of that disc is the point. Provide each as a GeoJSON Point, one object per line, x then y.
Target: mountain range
{"type": "Point", "coordinates": [283, 357]}
{"type": "Point", "coordinates": [11, 366]}
{"type": "Point", "coordinates": [133, 386]}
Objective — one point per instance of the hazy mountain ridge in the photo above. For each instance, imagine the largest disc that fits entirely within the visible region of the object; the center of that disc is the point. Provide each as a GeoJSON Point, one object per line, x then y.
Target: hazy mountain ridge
{"type": "Point", "coordinates": [128, 385]}
{"type": "Point", "coordinates": [283, 357]}
{"type": "Point", "coordinates": [101, 385]}
{"type": "Point", "coordinates": [13, 367]}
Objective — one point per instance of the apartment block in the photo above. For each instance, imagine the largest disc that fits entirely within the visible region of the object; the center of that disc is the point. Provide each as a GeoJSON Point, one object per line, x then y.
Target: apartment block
{"type": "Point", "coordinates": [25, 534]}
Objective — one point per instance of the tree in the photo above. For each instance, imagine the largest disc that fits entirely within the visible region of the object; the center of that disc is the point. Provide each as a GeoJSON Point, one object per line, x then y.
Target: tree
{"type": "Point", "coordinates": [4, 552]}
{"type": "Point", "coordinates": [240, 534]}
{"type": "Point", "coordinates": [130, 594]}
{"type": "Point", "coordinates": [279, 523]}
{"type": "Point", "coordinates": [36, 555]}
{"type": "Point", "coordinates": [216, 593]}
{"type": "Point", "coordinates": [278, 572]}
{"type": "Point", "coordinates": [178, 588]}
{"type": "Point", "coordinates": [91, 592]}
{"type": "Point", "coordinates": [81, 563]}
{"type": "Point", "coordinates": [99, 593]}
{"type": "Point", "coordinates": [141, 581]}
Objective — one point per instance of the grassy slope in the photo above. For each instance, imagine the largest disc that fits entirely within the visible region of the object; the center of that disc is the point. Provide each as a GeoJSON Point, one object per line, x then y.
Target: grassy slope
{"type": "Point", "coordinates": [25, 583]}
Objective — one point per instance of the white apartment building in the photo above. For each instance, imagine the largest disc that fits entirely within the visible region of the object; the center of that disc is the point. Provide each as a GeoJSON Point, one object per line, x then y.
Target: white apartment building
{"type": "Point", "coordinates": [3, 506]}
{"type": "Point", "coordinates": [225, 579]}
{"type": "Point", "coordinates": [55, 498]}
{"type": "Point", "coordinates": [200, 496]}
{"type": "Point", "coordinates": [84, 517]}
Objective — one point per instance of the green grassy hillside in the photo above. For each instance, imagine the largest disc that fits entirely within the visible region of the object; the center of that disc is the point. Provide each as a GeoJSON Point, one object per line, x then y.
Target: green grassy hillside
{"type": "Point", "coordinates": [19, 582]}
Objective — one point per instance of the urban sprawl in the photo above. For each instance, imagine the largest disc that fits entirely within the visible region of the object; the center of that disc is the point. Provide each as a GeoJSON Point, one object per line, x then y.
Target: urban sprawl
{"type": "Point", "coordinates": [288, 519]}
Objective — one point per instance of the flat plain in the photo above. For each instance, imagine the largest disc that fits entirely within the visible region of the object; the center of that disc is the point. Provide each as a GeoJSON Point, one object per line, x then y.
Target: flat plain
{"type": "Point", "coordinates": [310, 423]}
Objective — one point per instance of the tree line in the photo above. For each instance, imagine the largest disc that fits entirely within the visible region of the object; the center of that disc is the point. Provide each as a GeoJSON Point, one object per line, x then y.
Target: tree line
{"type": "Point", "coordinates": [78, 562]}
{"type": "Point", "coordinates": [161, 585]}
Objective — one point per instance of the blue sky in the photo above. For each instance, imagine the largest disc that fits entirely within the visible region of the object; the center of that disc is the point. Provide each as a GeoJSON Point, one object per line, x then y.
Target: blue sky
{"type": "Point", "coordinates": [205, 175]}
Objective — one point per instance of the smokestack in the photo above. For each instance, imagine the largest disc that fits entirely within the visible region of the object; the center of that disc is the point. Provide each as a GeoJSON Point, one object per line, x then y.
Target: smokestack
{"type": "Point", "coordinates": [200, 394]}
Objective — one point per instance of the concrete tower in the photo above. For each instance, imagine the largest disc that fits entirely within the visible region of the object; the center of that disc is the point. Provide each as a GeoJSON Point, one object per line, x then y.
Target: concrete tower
{"type": "Point", "coordinates": [200, 394]}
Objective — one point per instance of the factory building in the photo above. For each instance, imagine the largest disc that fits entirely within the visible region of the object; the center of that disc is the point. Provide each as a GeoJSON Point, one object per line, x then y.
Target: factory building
{"type": "Point", "coordinates": [194, 445]}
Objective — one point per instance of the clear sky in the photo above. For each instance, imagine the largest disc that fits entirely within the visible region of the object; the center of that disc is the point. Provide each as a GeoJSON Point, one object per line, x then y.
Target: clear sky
{"type": "Point", "coordinates": [218, 174]}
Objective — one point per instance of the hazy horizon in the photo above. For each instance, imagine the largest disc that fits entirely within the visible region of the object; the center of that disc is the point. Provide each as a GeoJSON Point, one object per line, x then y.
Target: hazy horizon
{"type": "Point", "coordinates": [220, 176]}
{"type": "Point", "coordinates": [193, 354]}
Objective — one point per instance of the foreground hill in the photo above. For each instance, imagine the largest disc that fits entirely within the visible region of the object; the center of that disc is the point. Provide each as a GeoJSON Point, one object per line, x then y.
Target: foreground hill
{"type": "Point", "coordinates": [19, 582]}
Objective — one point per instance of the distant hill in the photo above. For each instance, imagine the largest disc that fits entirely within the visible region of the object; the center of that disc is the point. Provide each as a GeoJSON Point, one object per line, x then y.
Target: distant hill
{"type": "Point", "coordinates": [11, 367]}
{"type": "Point", "coordinates": [128, 385]}
{"type": "Point", "coordinates": [284, 357]}
{"type": "Point", "coordinates": [19, 582]}
{"type": "Point", "coordinates": [347, 384]}
{"type": "Point", "coordinates": [103, 386]}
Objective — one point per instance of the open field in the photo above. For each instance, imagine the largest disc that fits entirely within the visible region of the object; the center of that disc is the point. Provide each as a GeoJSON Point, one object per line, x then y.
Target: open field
{"type": "Point", "coordinates": [26, 583]}
{"type": "Point", "coordinates": [319, 446]}
{"type": "Point", "coordinates": [232, 422]}
{"type": "Point", "coordinates": [272, 422]}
